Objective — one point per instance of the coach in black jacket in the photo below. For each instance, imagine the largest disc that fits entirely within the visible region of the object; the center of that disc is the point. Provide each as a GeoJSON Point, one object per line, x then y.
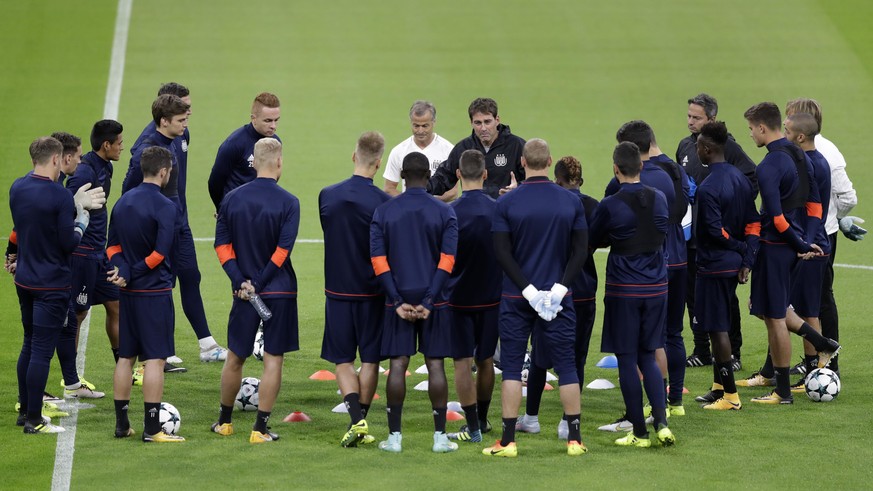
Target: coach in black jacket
{"type": "Point", "coordinates": [501, 148]}
{"type": "Point", "coordinates": [702, 109]}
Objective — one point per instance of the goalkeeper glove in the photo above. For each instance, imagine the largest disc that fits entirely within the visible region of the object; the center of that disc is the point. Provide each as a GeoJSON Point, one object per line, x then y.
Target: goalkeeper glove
{"type": "Point", "coordinates": [83, 218]}
{"type": "Point", "coordinates": [556, 296]}
{"type": "Point", "coordinates": [850, 230]}
{"type": "Point", "coordinates": [90, 199]}
{"type": "Point", "coordinates": [536, 298]}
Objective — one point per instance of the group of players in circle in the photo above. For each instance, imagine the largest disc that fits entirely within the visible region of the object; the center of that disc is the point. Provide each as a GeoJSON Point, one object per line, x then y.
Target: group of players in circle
{"type": "Point", "coordinates": [479, 246]}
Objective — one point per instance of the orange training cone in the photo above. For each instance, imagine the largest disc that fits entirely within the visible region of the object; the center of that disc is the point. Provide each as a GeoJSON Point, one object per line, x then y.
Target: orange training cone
{"type": "Point", "coordinates": [389, 371]}
{"type": "Point", "coordinates": [322, 375]}
{"type": "Point", "coordinates": [297, 417]}
{"type": "Point", "coordinates": [549, 386]}
{"type": "Point", "coordinates": [453, 416]}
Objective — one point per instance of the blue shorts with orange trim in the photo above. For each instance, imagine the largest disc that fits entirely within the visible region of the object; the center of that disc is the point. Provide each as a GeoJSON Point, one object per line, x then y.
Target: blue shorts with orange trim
{"type": "Point", "coordinates": [280, 332]}
{"type": "Point", "coordinates": [633, 324]}
{"type": "Point", "coordinates": [713, 296]}
{"type": "Point", "coordinates": [474, 333]}
{"type": "Point", "coordinates": [806, 284]}
{"type": "Point", "coordinates": [351, 326]}
{"type": "Point", "coordinates": [519, 322]}
{"type": "Point", "coordinates": [771, 280]}
{"type": "Point", "coordinates": [146, 326]}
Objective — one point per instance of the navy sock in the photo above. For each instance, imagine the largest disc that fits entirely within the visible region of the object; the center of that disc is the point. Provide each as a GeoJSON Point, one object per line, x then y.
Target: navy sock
{"type": "Point", "coordinates": [573, 424]}
{"type": "Point", "coordinates": [43, 346]}
{"type": "Point", "coordinates": [667, 391]}
{"type": "Point", "coordinates": [482, 406]}
{"type": "Point", "coordinates": [353, 404]}
{"type": "Point", "coordinates": [261, 421]}
{"type": "Point", "coordinates": [726, 376]}
{"type": "Point", "coordinates": [365, 408]}
{"type": "Point", "coordinates": [536, 383]}
{"type": "Point", "coordinates": [472, 416]}
{"type": "Point", "coordinates": [767, 369]}
{"type": "Point", "coordinates": [192, 302]}
{"type": "Point", "coordinates": [631, 391]}
{"type": "Point", "coordinates": [121, 420]}
{"type": "Point", "coordinates": [439, 419]}
{"type": "Point", "coordinates": [225, 414]}
{"type": "Point", "coordinates": [67, 354]}
{"type": "Point", "coordinates": [395, 414]}
{"type": "Point", "coordinates": [654, 386]}
{"type": "Point", "coordinates": [152, 421]}
{"type": "Point", "coordinates": [508, 431]}
{"type": "Point", "coordinates": [783, 385]}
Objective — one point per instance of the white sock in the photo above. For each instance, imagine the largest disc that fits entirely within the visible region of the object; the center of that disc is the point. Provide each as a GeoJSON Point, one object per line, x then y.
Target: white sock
{"type": "Point", "coordinates": [206, 343]}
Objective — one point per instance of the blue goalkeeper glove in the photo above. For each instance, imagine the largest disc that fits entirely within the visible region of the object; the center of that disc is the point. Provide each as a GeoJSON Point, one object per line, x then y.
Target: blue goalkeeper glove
{"type": "Point", "coordinates": [850, 230]}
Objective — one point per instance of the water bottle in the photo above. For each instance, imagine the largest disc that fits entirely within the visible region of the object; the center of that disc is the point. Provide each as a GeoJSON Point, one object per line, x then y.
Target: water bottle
{"type": "Point", "coordinates": [260, 307]}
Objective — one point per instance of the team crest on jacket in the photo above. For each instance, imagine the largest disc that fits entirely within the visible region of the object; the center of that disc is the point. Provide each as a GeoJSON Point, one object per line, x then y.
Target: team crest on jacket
{"type": "Point", "coordinates": [500, 160]}
{"type": "Point", "coordinates": [185, 146]}
{"type": "Point", "coordinates": [251, 160]}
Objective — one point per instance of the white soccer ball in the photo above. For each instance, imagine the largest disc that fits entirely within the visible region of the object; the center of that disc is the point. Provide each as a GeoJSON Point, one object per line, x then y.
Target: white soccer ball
{"type": "Point", "coordinates": [258, 350]}
{"type": "Point", "coordinates": [247, 397]}
{"type": "Point", "coordinates": [822, 385]}
{"type": "Point", "coordinates": [525, 367]}
{"type": "Point", "coordinates": [169, 418]}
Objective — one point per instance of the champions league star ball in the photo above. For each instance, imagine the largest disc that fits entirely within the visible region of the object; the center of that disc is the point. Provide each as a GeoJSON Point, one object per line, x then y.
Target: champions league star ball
{"type": "Point", "coordinates": [822, 385]}
{"type": "Point", "coordinates": [169, 418]}
{"type": "Point", "coordinates": [247, 397]}
{"type": "Point", "coordinates": [258, 350]}
{"type": "Point", "coordinates": [525, 368]}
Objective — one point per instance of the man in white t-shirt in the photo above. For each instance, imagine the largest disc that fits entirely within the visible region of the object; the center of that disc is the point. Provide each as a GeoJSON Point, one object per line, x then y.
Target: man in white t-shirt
{"type": "Point", "coordinates": [422, 115]}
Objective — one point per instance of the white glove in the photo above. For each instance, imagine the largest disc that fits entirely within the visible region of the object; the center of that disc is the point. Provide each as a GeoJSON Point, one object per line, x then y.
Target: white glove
{"type": "Point", "coordinates": [553, 305]}
{"type": "Point", "coordinates": [83, 218]}
{"type": "Point", "coordinates": [850, 230]}
{"type": "Point", "coordinates": [536, 298]}
{"type": "Point", "coordinates": [90, 199]}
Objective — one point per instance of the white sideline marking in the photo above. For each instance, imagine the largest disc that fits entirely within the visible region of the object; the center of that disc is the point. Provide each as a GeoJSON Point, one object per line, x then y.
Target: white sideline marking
{"type": "Point", "coordinates": [63, 471]}
{"type": "Point", "coordinates": [67, 440]}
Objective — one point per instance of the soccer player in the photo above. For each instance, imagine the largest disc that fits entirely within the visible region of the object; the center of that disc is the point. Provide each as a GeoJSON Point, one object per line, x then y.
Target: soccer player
{"type": "Point", "coordinates": [473, 293]}
{"type": "Point", "coordinates": [170, 116]}
{"type": "Point", "coordinates": [727, 242]}
{"type": "Point", "coordinates": [807, 277]}
{"type": "Point", "coordinates": [501, 148]}
{"type": "Point", "coordinates": [256, 229]}
{"type": "Point", "coordinates": [790, 213]}
{"type": "Point", "coordinates": [48, 226]}
{"type": "Point", "coordinates": [355, 304]}
{"type": "Point", "coordinates": [422, 115]}
{"type": "Point", "coordinates": [676, 188]}
{"type": "Point", "coordinates": [234, 163]}
{"type": "Point", "coordinates": [568, 175]}
{"type": "Point", "coordinates": [89, 262]}
{"type": "Point", "coordinates": [634, 223]}
{"type": "Point", "coordinates": [413, 239]}
{"type": "Point", "coordinates": [702, 109]}
{"type": "Point", "coordinates": [535, 299]}
{"type": "Point", "coordinates": [141, 234]}
{"type": "Point", "coordinates": [843, 199]}
{"type": "Point", "coordinates": [76, 386]}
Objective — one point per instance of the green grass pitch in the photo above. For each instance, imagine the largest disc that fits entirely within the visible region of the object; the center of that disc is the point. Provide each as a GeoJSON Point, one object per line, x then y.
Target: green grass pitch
{"type": "Point", "coordinates": [569, 72]}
